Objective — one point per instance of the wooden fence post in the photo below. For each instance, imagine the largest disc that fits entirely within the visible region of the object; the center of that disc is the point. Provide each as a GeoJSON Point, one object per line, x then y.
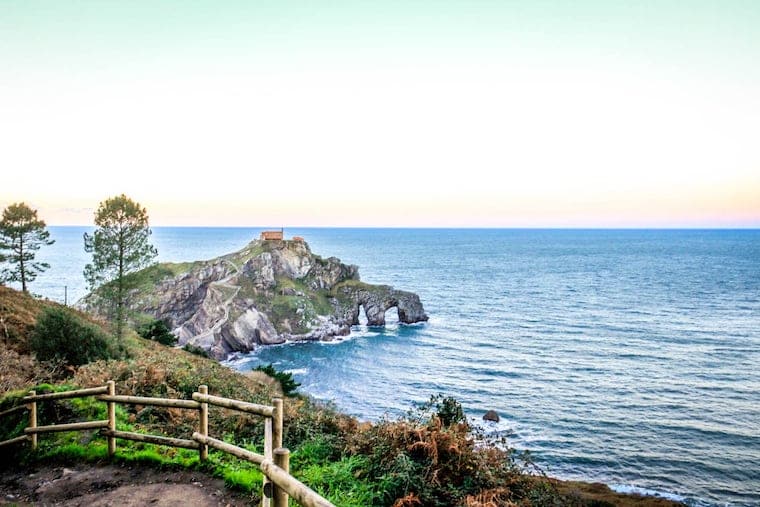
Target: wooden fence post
{"type": "Point", "coordinates": [268, 455]}
{"type": "Point", "coordinates": [275, 423]}
{"type": "Point", "coordinates": [278, 417]}
{"type": "Point", "coordinates": [203, 427]}
{"type": "Point", "coordinates": [111, 418]}
{"type": "Point", "coordinates": [33, 419]}
{"type": "Point", "coordinates": [282, 460]}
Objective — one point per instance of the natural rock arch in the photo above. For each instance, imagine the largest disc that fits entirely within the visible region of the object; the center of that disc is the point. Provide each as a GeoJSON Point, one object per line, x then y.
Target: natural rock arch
{"type": "Point", "coordinates": [377, 301]}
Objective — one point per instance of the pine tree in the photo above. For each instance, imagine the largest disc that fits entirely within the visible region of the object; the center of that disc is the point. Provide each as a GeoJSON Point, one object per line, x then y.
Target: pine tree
{"type": "Point", "coordinates": [119, 246]}
{"type": "Point", "coordinates": [22, 233]}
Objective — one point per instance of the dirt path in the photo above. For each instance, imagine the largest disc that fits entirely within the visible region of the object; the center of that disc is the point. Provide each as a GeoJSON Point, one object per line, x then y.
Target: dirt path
{"type": "Point", "coordinates": [113, 485]}
{"type": "Point", "coordinates": [236, 288]}
{"type": "Point", "coordinates": [220, 286]}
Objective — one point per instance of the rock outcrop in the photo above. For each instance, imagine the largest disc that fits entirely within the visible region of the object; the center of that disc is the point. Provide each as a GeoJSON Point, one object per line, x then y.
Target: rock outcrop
{"type": "Point", "coordinates": [268, 293]}
{"type": "Point", "coordinates": [378, 299]}
{"type": "Point", "coordinates": [492, 416]}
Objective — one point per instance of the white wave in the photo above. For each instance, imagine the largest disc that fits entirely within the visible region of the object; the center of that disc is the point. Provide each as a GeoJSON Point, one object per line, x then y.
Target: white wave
{"type": "Point", "coordinates": [335, 341]}
{"type": "Point", "coordinates": [629, 489]}
{"type": "Point", "coordinates": [237, 358]}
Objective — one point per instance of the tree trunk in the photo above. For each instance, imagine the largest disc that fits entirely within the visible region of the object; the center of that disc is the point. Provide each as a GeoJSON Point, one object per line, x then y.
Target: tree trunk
{"type": "Point", "coordinates": [120, 290]}
{"type": "Point", "coordinates": [21, 263]}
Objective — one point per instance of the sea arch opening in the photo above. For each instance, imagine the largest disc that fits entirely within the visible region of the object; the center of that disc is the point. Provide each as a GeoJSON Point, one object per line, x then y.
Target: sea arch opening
{"type": "Point", "coordinates": [361, 318]}
{"type": "Point", "coordinates": [392, 317]}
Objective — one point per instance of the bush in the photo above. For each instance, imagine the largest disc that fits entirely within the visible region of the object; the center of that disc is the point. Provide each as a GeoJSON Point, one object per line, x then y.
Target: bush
{"type": "Point", "coordinates": [195, 350]}
{"type": "Point", "coordinates": [158, 331]}
{"type": "Point", "coordinates": [287, 383]}
{"type": "Point", "coordinates": [446, 408]}
{"type": "Point", "coordinates": [60, 334]}
{"type": "Point", "coordinates": [431, 458]}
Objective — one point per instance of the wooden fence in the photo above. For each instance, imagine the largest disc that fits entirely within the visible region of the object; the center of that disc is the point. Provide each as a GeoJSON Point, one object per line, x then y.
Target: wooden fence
{"type": "Point", "coordinates": [274, 463]}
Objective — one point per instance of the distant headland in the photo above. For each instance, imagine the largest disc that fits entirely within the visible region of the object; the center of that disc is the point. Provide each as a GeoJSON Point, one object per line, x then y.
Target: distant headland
{"type": "Point", "coordinates": [272, 291]}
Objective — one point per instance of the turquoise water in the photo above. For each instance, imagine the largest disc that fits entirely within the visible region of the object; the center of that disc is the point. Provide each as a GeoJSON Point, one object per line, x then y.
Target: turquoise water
{"type": "Point", "coordinates": [626, 357]}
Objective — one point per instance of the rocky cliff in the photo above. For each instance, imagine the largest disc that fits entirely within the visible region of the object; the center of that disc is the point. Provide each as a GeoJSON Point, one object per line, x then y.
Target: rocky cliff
{"type": "Point", "coordinates": [267, 293]}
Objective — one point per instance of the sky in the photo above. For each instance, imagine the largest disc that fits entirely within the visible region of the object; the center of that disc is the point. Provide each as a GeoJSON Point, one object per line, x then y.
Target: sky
{"type": "Point", "coordinates": [384, 113]}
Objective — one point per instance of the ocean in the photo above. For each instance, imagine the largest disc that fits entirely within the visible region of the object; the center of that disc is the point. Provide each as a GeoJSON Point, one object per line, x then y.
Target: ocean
{"type": "Point", "coordinates": [629, 357]}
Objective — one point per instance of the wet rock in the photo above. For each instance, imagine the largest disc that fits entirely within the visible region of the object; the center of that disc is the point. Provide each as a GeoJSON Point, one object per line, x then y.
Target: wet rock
{"type": "Point", "coordinates": [491, 415]}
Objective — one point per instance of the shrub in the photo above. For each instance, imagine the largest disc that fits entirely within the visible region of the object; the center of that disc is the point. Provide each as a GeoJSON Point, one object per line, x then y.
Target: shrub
{"type": "Point", "coordinates": [60, 334]}
{"type": "Point", "coordinates": [288, 384]}
{"type": "Point", "coordinates": [314, 419]}
{"type": "Point", "coordinates": [195, 350]}
{"type": "Point", "coordinates": [158, 331]}
{"type": "Point", "coordinates": [431, 458]}
{"type": "Point", "coordinates": [446, 408]}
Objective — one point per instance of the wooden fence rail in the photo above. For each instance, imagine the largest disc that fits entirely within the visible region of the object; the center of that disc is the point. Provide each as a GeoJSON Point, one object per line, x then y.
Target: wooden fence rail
{"type": "Point", "coordinates": [80, 426]}
{"type": "Point", "coordinates": [156, 402]}
{"type": "Point", "coordinates": [14, 410]}
{"type": "Point", "coordinates": [79, 393]}
{"type": "Point", "coordinates": [242, 406]}
{"type": "Point", "coordinates": [236, 451]}
{"type": "Point", "coordinates": [151, 439]}
{"type": "Point", "coordinates": [22, 438]}
{"type": "Point", "coordinates": [274, 463]}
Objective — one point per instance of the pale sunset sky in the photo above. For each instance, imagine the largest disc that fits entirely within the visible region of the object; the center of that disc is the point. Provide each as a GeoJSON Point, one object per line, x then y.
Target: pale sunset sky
{"type": "Point", "coordinates": [409, 113]}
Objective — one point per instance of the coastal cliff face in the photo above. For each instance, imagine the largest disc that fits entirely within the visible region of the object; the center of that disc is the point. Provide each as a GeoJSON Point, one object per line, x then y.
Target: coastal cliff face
{"type": "Point", "coordinates": [267, 293]}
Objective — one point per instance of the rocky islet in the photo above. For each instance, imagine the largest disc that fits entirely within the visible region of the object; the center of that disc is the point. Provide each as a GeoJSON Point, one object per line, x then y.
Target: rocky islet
{"type": "Point", "coordinates": [270, 292]}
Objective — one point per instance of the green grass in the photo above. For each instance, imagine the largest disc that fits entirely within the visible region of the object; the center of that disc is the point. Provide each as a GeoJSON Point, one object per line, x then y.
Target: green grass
{"type": "Point", "coordinates": [317, 450]}
{"type": "Point", "coordinates": [148, 278]}
{"type": "Point", "coordinates": [341, 479]}
{"type": "Point", "coordinates": [354, 284]}
{"type": "Point", "coordinates": [284, 309]}
{"type": "Point", "coordinates": [311, 304]}
{"type": "Point", "coordinates": [249, 290]}
{"type": "Point", "coordinates": [162, 456]}
{"type": "Point", "coordinates": [253, 249]}
{"type": "Point", "coordinates": [342, 482]}
{"type": "Point", "coordinates": [239, 475]}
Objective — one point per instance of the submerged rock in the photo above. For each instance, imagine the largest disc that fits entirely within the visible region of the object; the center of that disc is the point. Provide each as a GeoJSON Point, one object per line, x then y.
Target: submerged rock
{"type": "Point", "coordinates": [492, 416]}
{"type": "Point", "coordinates": [267, 293]}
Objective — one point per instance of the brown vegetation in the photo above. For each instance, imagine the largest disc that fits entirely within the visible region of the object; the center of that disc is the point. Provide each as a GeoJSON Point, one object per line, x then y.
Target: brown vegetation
{"type": "Point", "coordinates": [601, 494]}
{"type": "Point", "coordinates": [158, 371]}
{"type": "Point", "coordinates": [18, 368]}
{"type": "Point", "coordinates": [18, 312]}
{"type": "Point", "coordinates": [18, 371]}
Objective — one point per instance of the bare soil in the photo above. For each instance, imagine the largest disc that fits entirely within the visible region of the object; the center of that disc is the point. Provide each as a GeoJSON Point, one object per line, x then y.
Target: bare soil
{"type": "Point", "coordinates": [114, 485]}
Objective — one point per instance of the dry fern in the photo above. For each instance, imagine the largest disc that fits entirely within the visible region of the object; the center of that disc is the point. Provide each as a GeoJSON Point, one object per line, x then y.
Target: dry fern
{"type": "Point", "coordinates": [499, 497]}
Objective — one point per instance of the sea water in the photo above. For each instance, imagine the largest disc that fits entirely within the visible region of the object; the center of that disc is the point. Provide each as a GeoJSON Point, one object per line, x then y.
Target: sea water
{"type": "Point", "coordinates": [629, 357]}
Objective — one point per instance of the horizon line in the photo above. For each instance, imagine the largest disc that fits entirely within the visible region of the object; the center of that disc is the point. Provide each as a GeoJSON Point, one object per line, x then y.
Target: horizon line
{"type": "Point", "coordinates": [451, 227]}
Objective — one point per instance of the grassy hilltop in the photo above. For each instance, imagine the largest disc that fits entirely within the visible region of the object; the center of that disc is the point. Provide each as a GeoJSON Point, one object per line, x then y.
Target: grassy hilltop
{"type": "Point", "coordinates": [429, 458]}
